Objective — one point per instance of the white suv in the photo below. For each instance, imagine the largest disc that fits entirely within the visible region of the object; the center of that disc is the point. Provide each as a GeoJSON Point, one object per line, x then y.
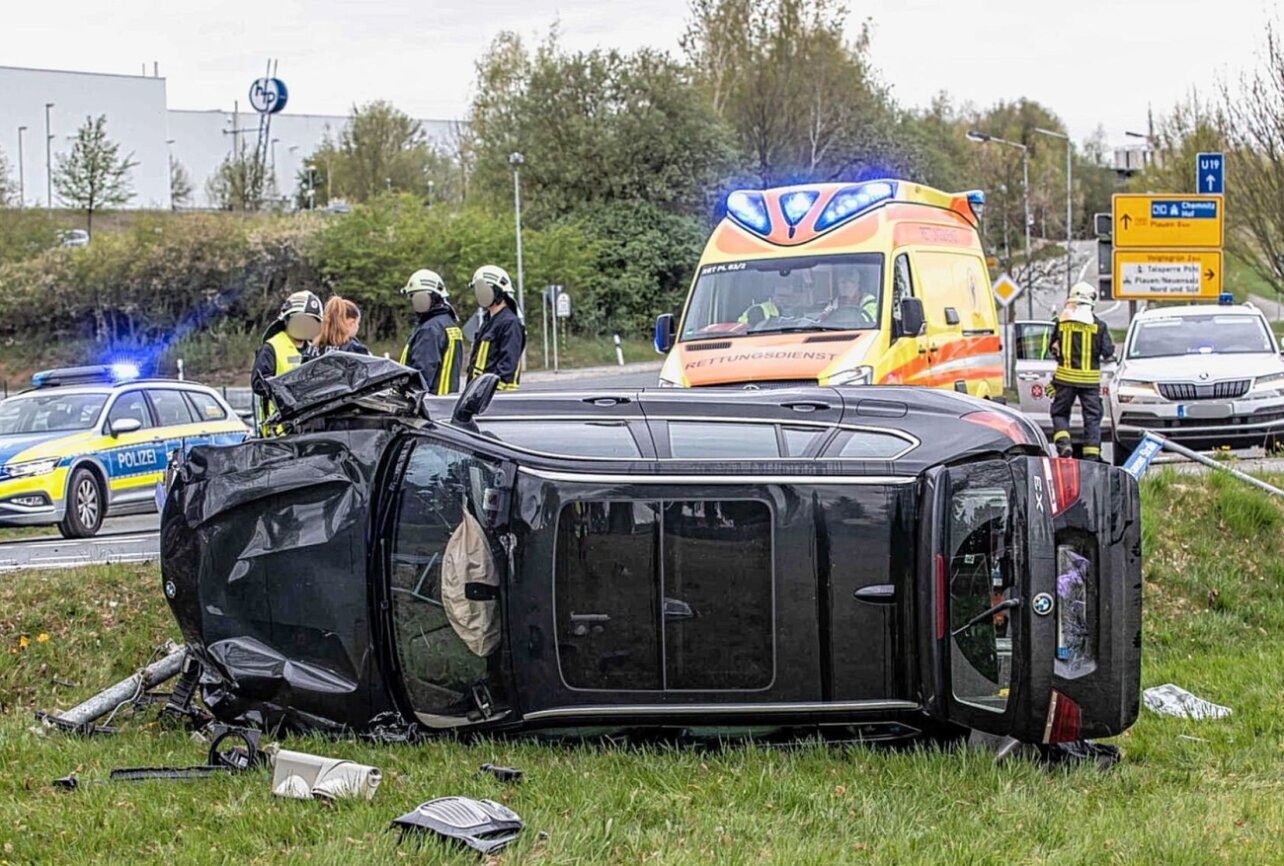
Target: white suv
{"type": "Point", "coordinates": [1205, 376]}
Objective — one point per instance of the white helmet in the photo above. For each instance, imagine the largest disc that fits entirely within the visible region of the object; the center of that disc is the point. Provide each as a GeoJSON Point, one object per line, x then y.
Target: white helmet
{"type": "Point", "coordinates": [1083, 293]}
{"type": "Point", "coordinates": [491, 283]}
{"type": "Point", "coordinates": [422, 287]}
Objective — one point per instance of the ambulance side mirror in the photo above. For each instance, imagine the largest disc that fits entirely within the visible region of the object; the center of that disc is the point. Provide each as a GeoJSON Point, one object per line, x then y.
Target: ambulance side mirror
{"type": "Point", "coordinates": [912, 320]}
{"type": "Point", "coordinates": [666, 332]}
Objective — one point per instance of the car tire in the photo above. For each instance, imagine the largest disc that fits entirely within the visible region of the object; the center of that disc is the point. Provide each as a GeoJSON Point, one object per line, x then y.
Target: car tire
{"type": "Point", "coordinates": [86, 505]}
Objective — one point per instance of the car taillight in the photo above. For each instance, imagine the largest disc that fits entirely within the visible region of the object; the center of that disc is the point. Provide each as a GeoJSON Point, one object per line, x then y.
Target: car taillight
{"type": "Point", "coordinates": [1063, 720]}
{"type": "Point", "coordinates": [1005, 424]}
{"type": "Point", "coordinates": [940, 597]}
{"type": "Point", "coordinates": [1062, 475]}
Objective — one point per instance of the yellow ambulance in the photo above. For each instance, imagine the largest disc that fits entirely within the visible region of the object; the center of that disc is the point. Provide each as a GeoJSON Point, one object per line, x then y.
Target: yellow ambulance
{"type": "Point", "coordinates": [880, 282]}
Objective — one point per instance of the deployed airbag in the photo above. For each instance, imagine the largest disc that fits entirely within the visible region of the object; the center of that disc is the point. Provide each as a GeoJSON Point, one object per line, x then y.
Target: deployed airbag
{"type": "Point", "coordinates": [470, 587]}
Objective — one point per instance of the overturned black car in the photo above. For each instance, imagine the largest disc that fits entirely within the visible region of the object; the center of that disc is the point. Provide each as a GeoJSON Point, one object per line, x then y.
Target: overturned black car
{"type": "Point", "coordinates": [877, 561]}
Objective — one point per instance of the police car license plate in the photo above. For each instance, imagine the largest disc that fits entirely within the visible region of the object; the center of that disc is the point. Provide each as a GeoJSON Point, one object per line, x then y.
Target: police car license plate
{"type": "Point", "coordinates": [1203, 410]}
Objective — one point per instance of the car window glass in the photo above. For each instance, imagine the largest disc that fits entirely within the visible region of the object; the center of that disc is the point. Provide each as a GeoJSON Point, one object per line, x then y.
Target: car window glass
{"type": "Point", "coordinates": [674, 595]}
{"type": "Point", "coordinates": [50, 413]}
{"type": "Point", "coordinates": [171, 408]}
{"type": "Point", "coordinates": [723, 441]}
{"type": "Point", "coordinates": [1032, 341]}
{"type": "Point", "coordinates": [902, 286]}
{"type": "Point", "coordinates": [981, 574]}
{"type": "Point", "coordinates": [205, 407]}
{"type": "Point", "coordinates": [868, 445]}
{"type": "Point", "coordinates": [1200, 335]}
{"type": "Point", "coordinates": [571, 438]}
{"type": "Point", "coordinates": [799, 439]}
{"type": "Point", "coordinates": [440, 485]}
{"type": "Point", "coordinates": [131, 404]}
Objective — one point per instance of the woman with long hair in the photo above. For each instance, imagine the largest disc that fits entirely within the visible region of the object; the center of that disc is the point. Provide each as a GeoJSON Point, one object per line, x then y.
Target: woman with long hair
{"type": "Point", "coordinates": [339, 325]}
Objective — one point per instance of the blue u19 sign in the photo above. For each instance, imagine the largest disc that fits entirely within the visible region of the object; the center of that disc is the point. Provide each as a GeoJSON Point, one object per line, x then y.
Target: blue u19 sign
{"type": "Point", "coordinates": [268, 95]}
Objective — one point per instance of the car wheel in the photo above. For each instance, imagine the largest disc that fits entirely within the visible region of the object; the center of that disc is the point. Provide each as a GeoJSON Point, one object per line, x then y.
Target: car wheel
{"type": "Point", "coordinates": [86, 505]}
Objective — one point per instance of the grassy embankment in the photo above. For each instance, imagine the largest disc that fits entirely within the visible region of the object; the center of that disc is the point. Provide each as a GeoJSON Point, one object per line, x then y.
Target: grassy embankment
{"type": "Point", "coordinates": [1186, 793]}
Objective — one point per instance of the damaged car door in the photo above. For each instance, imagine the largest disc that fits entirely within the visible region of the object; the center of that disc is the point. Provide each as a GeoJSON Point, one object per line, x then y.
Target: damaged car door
{"type": "Point", "coordinates": [446, 546]}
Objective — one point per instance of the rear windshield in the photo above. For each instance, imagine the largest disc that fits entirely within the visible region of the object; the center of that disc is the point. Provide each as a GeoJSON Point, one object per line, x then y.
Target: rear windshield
{"type": "Point", "coordinates": [50, 413]}
{"type": "Point", "coordinates": [1200, 335]}
{"type": "Point", "coordinates": [814, 293]}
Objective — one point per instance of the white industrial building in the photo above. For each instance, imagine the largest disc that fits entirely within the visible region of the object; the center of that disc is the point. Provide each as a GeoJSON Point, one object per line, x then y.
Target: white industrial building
{"type": "Point", "coordinates": [139, 118]}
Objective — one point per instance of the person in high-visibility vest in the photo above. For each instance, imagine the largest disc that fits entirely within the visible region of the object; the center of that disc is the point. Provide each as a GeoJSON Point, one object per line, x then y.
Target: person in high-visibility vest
{"type": "Point", "coordinates": [501, 339]}
{"type": "Point", "coordinates": [287, 343]}
{"type": "Point", "coordinates": [1080, 343]}
{"type": "Point", "coordinates": [436, 345]}
{"type": "Point", "coordinates": [852, 304]}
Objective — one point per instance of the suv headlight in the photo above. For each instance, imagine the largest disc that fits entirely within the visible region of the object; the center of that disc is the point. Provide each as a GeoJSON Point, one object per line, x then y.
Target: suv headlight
{"type": "Point", "coordinates": [854, 376]}
{"type": "Point", "coordinates": [1135, 391]}
{"type": "Point", "coordinates": [1268, 386]}
{"type": "Point", "coordinates": [31, 467]}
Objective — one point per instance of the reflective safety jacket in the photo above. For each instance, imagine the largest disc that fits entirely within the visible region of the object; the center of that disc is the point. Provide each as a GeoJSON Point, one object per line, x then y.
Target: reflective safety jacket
{"type": "Point", "coordinates": [435, 349]}
{"type": "Point", "coordinates": [277, 355]}
{"type": "Point", "coordinates": [766, 310]}
{"type": "Point", "coordinates": [498, 348]}
{"type": "Point", "coordinates": [1079, 349]}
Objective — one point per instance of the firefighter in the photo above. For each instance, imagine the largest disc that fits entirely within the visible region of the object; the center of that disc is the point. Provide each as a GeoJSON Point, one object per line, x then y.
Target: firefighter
{"type": "Point", "coordinates": [1080, 343]}
{"type": "Point", "coordinates": [287, 343]}
{"type": "Point", "coordinates": [501, 339]}
{"type": "Point", "coordinates": [435, 345]}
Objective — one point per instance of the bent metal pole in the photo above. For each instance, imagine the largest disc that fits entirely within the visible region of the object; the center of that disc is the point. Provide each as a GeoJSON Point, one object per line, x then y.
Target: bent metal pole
{"type": "Point", "coordinates": [1170, 445]}
{"type": "Point", "coordinates": [149, 677]}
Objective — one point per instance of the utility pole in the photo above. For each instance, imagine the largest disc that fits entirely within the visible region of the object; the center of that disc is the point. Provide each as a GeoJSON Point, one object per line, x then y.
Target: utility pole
{"type": "Point", "coordinates": [516, 160]}
{"type": "Point", "coordinates": [48, 159]}
{"type": "Point", "coordinates": [22, 189]}
{"type": "Point", "coordinates": [1069, 196]}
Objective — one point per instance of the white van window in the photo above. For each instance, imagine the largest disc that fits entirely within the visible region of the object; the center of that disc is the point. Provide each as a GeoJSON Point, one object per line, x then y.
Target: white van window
{"type": "Point", "coordinates": [902, 285]}
{"type": "Point", "coordinates": [771, 296]}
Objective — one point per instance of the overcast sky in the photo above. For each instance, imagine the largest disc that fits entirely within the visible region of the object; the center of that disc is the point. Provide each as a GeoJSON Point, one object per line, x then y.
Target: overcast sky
{"type": "Point", "coordinates": [1092, 61]}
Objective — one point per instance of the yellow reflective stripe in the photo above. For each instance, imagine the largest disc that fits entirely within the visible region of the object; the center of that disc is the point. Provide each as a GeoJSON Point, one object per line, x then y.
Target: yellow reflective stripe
{"type": "Point", "coordinates": [1091, 449]}
{"type": "Point", "coordinates": [506, 386]}
{"type": "Point", "coordinates": [443, 377]}
{"type": "Point", "coordinates": [483, 351]}
{"type": "Point", "coordinates": [405, 352]}
{"type": "Point", "coordinates": [1059, 435]}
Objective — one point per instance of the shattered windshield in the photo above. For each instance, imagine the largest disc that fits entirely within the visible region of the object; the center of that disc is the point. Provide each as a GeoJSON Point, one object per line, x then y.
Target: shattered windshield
{"type": "Point", "coordinates": [813, 293]}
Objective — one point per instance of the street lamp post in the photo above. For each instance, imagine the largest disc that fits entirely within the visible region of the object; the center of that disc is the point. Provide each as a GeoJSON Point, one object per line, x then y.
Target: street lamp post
{"type": "Point", "coordinates": [516, 160]}
{"type": "Point", "coordinates": [983, 138]}
{"type": "Point", "coordinates": [48, 159]}
{"type": "Point", "coordinates": [1069, 195]}
{"type": "Point", "coordinates": [22, 189]}
{"type": "Point", "coordinates": [312, 187]}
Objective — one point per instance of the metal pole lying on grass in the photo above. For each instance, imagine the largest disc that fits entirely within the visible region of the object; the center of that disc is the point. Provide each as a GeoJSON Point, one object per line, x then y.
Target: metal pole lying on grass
{"type": "Point", "coordinates": [1170, 445]}
{"type": "Point", "coordinates": [127, 689]}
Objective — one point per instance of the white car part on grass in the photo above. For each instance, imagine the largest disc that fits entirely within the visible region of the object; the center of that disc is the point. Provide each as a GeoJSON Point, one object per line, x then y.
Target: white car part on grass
{"type": "Point", "coordinates": [1171, 700]}
{"type": "Point", "coordinates": [305, 777]}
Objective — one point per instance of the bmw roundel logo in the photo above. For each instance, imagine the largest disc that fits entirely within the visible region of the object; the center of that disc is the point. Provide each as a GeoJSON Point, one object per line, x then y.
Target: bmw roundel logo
{"type": "Point", "coordinates": [170, 589]}
{"type": "Point", "coordinates": [1042, 604]}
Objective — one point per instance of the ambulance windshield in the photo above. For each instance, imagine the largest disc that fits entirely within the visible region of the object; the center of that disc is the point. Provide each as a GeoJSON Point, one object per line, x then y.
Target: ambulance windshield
{"type": "Point", "coordinates": [771, 296]}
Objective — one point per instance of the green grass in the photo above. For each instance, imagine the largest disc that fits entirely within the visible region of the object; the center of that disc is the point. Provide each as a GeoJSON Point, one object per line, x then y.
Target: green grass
{"type": "Point", "coordinates": [1186, 792]}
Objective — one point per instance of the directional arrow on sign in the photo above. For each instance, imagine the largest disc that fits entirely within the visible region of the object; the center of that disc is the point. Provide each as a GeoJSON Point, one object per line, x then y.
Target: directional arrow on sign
{"type": "Point", "coordinates": [1211, 180]}
{"type": "Point", "coordinates": [1209, 273]}
{"type": "Point", "coordinates": [1127, 220]}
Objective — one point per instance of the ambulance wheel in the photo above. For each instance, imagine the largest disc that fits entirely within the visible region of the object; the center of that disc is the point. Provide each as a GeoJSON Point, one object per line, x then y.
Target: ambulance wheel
{"type": "Point", "coordinates": [85, 506]}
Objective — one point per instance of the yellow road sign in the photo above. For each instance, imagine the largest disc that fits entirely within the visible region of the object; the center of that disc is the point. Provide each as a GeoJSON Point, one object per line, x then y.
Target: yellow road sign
{"type": "Point", "coordinates": [1167, 275]}
{"type": "Point", "coordinates": [1180, 221]}
{"type": "Point", "coordinates": [1005, 290]}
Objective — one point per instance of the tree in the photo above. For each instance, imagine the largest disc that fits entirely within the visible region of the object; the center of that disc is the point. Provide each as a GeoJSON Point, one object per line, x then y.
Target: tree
{"type": "Point", "coordinates": [6, 183]}
{"type": "Point", "coordinates": [180, 185]}
{"type": "Point", "coordinates": [94, 175]}
{"type": "Point", "coordinates": [240, 183]}
{"type": "Point", "coordinates": [803, 100]}
{"type": "Point", "coordinates": [594, 127]}
{"type": "Point", "coordinates": [380, 150]}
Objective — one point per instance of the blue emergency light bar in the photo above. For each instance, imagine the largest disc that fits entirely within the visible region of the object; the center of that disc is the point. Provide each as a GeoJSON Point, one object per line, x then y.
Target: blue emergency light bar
{"type": "Point", "coordinates": [96, 374]}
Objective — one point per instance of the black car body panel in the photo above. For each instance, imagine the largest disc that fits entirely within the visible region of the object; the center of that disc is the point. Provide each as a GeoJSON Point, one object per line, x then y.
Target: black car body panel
{"type": "Point", "coordinates": [696, 559]}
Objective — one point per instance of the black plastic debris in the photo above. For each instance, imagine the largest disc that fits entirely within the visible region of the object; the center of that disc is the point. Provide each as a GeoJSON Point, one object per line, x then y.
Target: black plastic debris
{"type": "Point", "coordinates": [482, 825]}
{"type": "Point", "coordinates": [231, 750]}
{"type": "Point", "coordinates": [335, 380]}
{"type": "Point", "coordinates": [1103, 755]}
{"type": "Point", "coordinates": [503, 774]}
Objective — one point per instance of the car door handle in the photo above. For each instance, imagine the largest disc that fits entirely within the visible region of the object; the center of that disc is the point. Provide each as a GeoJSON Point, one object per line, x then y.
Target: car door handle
{"type": "Point", "coordinates": [676, 610]}
{"type": "Point", "coordinates": [806, 406]}
{"type": "Point", "coordinates": [876, 593]}
{"type": "Point", "coordinates": [1029, 377]}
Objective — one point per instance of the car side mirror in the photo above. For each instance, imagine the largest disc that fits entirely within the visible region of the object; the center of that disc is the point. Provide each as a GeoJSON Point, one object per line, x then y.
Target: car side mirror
{"type": "Point", "coordinates": [124, 425]}
{"type": "Point", "coordinates": [912, 319]}
{"type": "Point", "coordinates": [666, 332]}
{"type": "Point", "coordinates": [475, 400]}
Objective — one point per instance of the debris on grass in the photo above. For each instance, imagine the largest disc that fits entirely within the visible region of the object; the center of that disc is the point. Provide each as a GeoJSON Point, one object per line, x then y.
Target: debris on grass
{"type": "Point", "coordinates": [1172, 700]}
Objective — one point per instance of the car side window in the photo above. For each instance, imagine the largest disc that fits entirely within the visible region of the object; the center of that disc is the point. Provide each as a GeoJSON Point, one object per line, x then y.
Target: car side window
{"type": "Point", "coordinates": [868, 445]}
{"type": "Point", "coordinates": [602, 439]}
{"type": "Point", "coordinates": [722, 441]}
{"type": "Point", "coordinates": [131, 404]}
{"type": "Point", "coordinates": [205, 407]}
{"type": "Point", "coordinates": [171, 408]}
{"type": "Point", "coordinates": [902, 285]}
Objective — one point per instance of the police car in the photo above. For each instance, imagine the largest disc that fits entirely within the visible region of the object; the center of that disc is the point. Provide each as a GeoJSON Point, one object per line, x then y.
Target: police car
{"type": "Point", "coordinates": [86, 442]}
